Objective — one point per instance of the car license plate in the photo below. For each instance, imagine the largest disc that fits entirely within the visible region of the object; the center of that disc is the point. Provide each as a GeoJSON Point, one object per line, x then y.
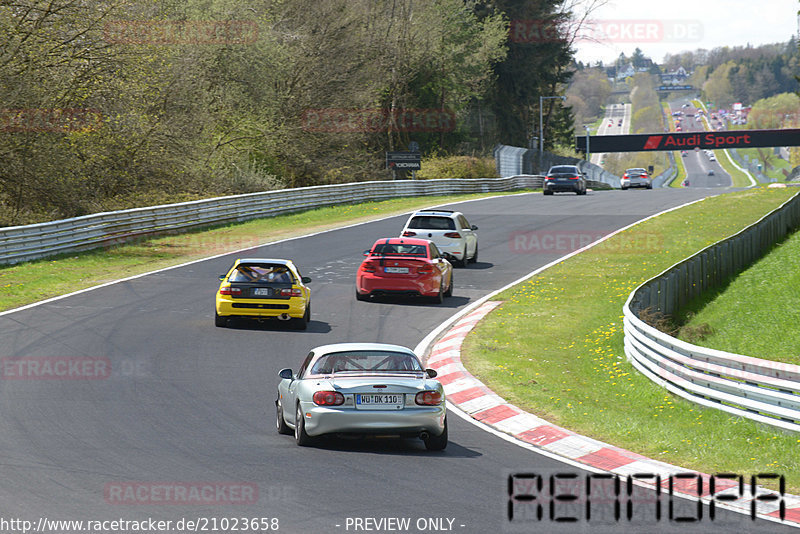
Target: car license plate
{"type": "Point", "coordinates": [396, 270]}
{"type": "Point", "coordinates": [262, 292]}
{"type": "Point", "coordinates": [383, 401]}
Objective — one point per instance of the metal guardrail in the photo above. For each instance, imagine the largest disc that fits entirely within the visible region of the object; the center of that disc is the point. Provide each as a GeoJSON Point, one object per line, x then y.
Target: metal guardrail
{"type": "Point", "coordinates": [761, 390]}
{"type": "Point", "coordinates": [515, 161]}
{"type": "Point", "coordinates": [35, 241]}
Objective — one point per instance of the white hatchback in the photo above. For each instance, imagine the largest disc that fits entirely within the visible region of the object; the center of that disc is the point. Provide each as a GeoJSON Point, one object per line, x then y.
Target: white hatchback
{"type": "Point", "coordinates": [449, 230]}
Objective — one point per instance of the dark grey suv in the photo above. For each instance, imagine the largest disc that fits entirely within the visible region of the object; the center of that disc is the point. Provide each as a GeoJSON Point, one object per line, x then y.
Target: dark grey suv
{"type": "Point", "coordinates": [564, 178]}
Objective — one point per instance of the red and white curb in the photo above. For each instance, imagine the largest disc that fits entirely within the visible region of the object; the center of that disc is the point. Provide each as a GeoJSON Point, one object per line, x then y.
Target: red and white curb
{"type": "Point", "coordinates": [472, 397]}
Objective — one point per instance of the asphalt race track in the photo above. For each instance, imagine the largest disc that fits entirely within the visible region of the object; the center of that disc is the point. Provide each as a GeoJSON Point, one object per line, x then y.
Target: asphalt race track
{"type": "Point", "coordinates": [188, 406]}
{"type": "Point", "coordinates": [697, 163]}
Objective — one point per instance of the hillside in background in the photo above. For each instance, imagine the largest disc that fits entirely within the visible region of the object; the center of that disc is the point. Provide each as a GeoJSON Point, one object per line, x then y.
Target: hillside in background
{"type": "Point", "coordinates": [113, 105]}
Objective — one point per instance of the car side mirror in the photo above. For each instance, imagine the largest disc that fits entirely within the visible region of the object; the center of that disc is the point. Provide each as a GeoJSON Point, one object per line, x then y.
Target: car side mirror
{"type": "Point", "coordinates": [222, 277]}
{"type": "Point", "coordinates": [474, 227]}
{"type": "Point", "coordinates": [286, 374]}
{"type": "Point", "coordinates": [305, 279]}
{"type": "Point", "coordinates": [366, 253]}
{"type": "Point", "coordinates": [431, 373]}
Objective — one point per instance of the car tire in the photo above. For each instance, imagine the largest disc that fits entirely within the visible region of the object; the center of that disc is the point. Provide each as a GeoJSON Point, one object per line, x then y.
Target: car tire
{"type": "Point", "coordinates": [546, 192]}
{"type": "Point", "coordinates": [449, 292]}
{"type": "Point", "coordinates": [463, 261]}
{"type": "Point", "coordinates": [437, 443]}
{"type": "Point", "coordinates": [219, 320]}
{"type": "Point", "coordinates": [650, 186]}
{"type": "Point", "coordinates": [474, 258]}
{"type": "Point", "coordinates": [439, 298]}
{"type": "Point", "coordinates": [280, 422]}
{"type": "Point", "coordinates": [300, 436]}
{"type": "Point", "coordinates": [359, 296]}
{"type": "Point", "coordinates": [302, 322]}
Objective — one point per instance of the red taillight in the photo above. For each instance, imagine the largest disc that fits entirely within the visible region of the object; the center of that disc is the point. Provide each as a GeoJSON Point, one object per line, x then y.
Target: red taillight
{"type": "Point", "coordinates": [291, 292]}
{"type": "Point", "coordinates": [453, 235]}
{"type": "Point", "coordinates": [549, 178]}
{"type": "Point", "coordinates": [233, 291]}
{"type": "Point", "coordinates": [328, 398]}
{"type": "Point", "coordinates": [574, 177]}
{"type": "Point", "coordinates": [625, 176]}
{"type": "Point", "coordinates": [368, 267]}
{"type": "Point", "coordinates": [428, 398]}
{"type": "Point", "coordinates": [425, 270]}
{"type": "Point", "coordinates": [409, 233]}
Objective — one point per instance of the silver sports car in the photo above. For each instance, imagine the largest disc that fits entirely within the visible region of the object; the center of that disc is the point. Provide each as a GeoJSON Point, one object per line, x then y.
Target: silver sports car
{"type": "Point", "coordinates": [362, 389]}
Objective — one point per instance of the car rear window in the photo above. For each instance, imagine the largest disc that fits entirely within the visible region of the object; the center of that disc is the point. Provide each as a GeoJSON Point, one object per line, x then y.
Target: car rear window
{"type": "Point", "coordinates": [563, 170]}
{"type": "Point", "coordinates": [429, 222]}
{"type": "Point", "coordinates": [262, 274]}
{"type": "Point", "coordinates": [365, 361]}
{"type": "Point", "coordinates": [400, 249]}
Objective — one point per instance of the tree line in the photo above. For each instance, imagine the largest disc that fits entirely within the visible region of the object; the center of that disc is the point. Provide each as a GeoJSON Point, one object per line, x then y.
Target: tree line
{"type": "Point", "coordinates": [113, 104]}
{"type": "Point", "coordinates": [742, 73]}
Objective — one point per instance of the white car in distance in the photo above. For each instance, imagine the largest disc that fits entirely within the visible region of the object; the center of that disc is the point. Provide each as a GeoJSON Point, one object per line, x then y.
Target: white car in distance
{"type": "Point", "coordinates": [449, 230]}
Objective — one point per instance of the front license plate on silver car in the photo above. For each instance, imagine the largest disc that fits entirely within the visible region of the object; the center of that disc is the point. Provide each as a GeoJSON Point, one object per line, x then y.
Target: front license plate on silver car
{"type": "Point", "coordinates": [390, 401]}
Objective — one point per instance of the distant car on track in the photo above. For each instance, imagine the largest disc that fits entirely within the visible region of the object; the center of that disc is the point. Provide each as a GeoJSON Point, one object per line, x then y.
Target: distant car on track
{"type": "Point", "coordinates": [258, 288]}
{"type": "Point", "coordinates": [362, 389]}
{"type": "Point", "coordinates": [404, 266]}
{"type": "Point", "coordinates": [449, 230]}
{"type": "Point", "coordinates": [636, 177]}
{"type": "Point", "coordinates": [564, 178]}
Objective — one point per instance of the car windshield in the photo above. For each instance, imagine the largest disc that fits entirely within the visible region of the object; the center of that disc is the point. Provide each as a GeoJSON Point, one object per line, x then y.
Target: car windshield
{"type": "Point", "coordinates": [262, 274]}
{"type": "Point", "coordinates": [365, 361]}
{"type": "Point", "coordinates": [399, 249]}
{"type": "Point", "coordinates": [432, 223]}
{"type": "Point", "coordinates": [563, 169]}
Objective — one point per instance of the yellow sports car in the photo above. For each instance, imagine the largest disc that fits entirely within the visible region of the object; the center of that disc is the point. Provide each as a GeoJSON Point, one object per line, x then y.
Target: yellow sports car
{"type": "Point", "coordinates": [263, 289]}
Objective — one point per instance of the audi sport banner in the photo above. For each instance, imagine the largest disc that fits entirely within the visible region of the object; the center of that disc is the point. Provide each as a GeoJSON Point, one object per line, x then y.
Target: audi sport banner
{"type": "Point", "coordinates": [689, 140]}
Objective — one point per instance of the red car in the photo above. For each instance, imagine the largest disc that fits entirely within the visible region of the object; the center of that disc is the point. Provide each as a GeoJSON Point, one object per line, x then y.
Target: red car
{"type": "Point", "coordinates": [404, 266]}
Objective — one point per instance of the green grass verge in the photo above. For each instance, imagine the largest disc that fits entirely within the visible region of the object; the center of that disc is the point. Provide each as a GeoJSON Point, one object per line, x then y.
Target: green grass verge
{"type": "Point", "coordinates": [681, 176]}
{"type": "Point", "coordinates": [34, 281]}
{"type": "Point", "coordinates": [777, 165]}
{"type": "Point", "coordinates": [555, 348]}
{"type": "Point", "coordinates": [768, 291]}
{"type": "Point", "coordinates": [739, 178]}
